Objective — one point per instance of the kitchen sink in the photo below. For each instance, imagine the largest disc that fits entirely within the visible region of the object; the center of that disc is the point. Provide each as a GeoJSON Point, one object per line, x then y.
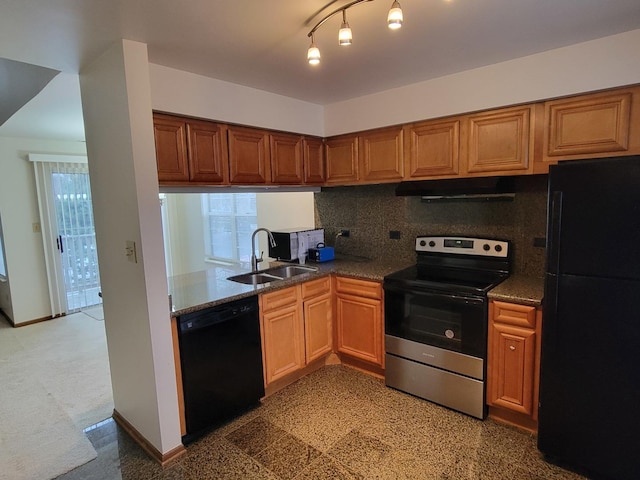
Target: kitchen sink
{"type": "Point", "coordinates": [271, 274]}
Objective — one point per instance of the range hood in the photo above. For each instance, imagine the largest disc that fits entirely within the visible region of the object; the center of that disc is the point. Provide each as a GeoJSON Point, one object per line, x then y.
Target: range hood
{"type": "Point", "coordinates": [475, 188]}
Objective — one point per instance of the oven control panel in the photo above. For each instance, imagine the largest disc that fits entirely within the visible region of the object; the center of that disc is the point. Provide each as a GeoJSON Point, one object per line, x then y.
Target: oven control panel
{"type": "Point", "coordinates": [464, 246]}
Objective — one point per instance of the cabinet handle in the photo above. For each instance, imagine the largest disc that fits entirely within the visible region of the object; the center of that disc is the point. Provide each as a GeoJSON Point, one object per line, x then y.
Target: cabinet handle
{"type": "Point", "coordinates": [512, 348]}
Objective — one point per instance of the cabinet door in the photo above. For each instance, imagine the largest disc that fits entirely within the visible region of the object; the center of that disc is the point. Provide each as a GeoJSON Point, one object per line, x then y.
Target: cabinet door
{"type": "Point", "coordinates": [171, 148]}
{"type": "Point", "coordinates": [432, 149]}
{"type": "Point", "coordinates": [512, 367]}
{"type": "Point", "coordinates": [208, 157]}
{"type": "Point", "coordinates": [359, 327]}
{"type": "Point", "coordinates": [249, 159]}
{"type": "Point", "coordinates": [341, 157]}
{"type": "Point", "coordinates": [318, 328]}
{"type": "Point", "coordinates": [283, 342]}
{"type": "Point", "coordinates": [589, 124]}
{"type": "Point", "coordinates": [500, 141]}
{"type": "Point", "coordinates": [313, 161]}
{"type": "Point", "coordinates": [381, 155]}
{"type": "Point", "coordinates": [286, 159]}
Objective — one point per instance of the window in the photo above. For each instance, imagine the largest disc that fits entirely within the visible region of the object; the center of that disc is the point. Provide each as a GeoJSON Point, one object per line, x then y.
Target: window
{"type": "Point", "coordinates": [229, 219]}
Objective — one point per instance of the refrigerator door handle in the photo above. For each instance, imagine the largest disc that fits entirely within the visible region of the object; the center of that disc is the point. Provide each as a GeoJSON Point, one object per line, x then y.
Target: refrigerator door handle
{"type": "Point", "coordinates": [555, 227]}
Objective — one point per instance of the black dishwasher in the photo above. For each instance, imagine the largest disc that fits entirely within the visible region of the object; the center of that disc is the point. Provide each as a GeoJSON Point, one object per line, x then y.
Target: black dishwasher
{"type": "Point", "coordinates": [221, 360]}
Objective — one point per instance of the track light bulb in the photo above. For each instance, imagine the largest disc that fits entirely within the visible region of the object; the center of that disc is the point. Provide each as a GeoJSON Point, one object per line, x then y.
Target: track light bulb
{"type": "Point", "coordinates": [313, 54]}
{"type": "Point", "coordinates": [344, 35]}
{"type": "Point", "coordinates": [394, 19]}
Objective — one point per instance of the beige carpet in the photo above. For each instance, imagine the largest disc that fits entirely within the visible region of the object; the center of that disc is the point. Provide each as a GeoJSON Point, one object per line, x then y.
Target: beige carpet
{"type": "Point", "coordinates": [55, 382]}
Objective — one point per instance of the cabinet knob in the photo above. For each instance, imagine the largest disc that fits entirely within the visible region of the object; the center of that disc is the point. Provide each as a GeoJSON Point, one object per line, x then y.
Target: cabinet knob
{"type": "Point", "coordinates": [512, 348]}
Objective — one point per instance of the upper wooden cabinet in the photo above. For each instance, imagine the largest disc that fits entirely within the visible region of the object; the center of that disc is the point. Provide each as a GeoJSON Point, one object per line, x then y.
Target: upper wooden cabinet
{"type": "Point", "coordinates": [286, 158]}
{"type": "Point", "coordinates": [500, 141]}
{"type": "Point", "coordinates": [313, 158]}
{"type": "Point", "coordinates": [249, 156]}
{"type": "Point", "coordinates": [381, 155]}
{"type": "Point", "coordinates": [588, 126]}
{"type": "Point", "coordinates": [341, 159]}
{"type": "Point", "coordinates": [432, 149]}
{"type": "Point", "coordinates": [190, 151]}
{"type": "Point", "coordinates": [488, 143]}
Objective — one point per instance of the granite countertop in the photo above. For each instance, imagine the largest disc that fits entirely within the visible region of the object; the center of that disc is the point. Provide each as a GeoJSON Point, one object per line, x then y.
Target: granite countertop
{"type": "Point", "coordinates": [522, 289]}
{"type": "Point", "coordinates": [194, 291]}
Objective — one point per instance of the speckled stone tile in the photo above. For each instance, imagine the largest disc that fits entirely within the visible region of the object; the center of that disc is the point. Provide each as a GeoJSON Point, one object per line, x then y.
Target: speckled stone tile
{"type": "Point", "coordinates": [223, 460]}
{"type": "Point", "coordinates": [361, 453]}
{"type": "Point", "coordinates": [335, 423]}
{"type": "Point", "coordinates": [326, 468]}
{"type": "Point", "coordinates": [255, 436]}
{"type": "Point", "coordinates": [287, 456]}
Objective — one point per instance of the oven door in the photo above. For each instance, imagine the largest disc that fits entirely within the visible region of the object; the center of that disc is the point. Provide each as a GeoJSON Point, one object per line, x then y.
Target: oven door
{"type": "Point", "coordinates": [446, 320]}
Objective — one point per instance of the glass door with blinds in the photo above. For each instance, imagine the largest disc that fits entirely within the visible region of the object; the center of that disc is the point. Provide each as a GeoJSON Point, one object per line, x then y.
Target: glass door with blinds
{"type": "Point", "coordinates": [66, 213]}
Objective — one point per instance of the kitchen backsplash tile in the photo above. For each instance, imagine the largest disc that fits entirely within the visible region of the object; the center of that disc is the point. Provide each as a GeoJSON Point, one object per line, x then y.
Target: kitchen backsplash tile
{"type": "Point", "coordinates": [370, 212]}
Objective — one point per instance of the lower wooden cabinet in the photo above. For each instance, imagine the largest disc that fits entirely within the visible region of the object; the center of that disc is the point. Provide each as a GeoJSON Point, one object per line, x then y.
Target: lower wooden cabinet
{"type": "Point", "coordinates": [317, 306]}
{"type": "Point", "coordinates": [282, 333]}
{"type": "Point", "coordinates": [296, 325]}
{"type": "Point", "coordinates": [513, 363]}
{"type": "Point", "coordinates": [359, 320]}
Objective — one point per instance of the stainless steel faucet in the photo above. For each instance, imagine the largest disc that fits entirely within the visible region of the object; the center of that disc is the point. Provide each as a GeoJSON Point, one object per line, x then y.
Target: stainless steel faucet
{"type": "Point", "coordinates": [254, 260]}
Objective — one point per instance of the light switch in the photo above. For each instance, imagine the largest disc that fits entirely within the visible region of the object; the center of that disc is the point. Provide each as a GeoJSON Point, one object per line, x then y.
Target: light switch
{"type": "Point", "coordinates": [130, 251]}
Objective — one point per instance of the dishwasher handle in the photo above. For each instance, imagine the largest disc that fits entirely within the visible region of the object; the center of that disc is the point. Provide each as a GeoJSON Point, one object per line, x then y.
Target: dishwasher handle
{"type": "Point", "coordinates": [208, 317]}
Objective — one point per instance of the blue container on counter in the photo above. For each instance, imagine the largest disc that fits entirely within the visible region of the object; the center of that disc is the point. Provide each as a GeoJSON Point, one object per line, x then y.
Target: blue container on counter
{"type": "Point", "coordinates": [321, 253]}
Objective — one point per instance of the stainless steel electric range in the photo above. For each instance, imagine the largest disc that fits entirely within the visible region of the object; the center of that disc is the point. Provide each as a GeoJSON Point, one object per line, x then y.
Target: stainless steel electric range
{"type": "Point", "coordinates": [436, 320]}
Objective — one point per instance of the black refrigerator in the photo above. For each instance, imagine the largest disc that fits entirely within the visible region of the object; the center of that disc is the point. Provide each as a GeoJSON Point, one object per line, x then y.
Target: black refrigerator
{"type": "Point", "coordinates": [589, 411]}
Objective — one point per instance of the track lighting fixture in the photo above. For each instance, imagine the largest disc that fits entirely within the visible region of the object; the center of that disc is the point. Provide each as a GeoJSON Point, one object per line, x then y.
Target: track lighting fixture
{"type": "Point", "coordinates": [345, 36]}
{"type": "Point", "coordinates": [394, 19]}
{"type": "Point", "coordinates": [313, 54]}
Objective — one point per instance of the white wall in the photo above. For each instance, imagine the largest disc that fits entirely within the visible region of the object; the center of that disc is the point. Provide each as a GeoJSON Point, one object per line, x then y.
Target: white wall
{"type": "Point", "coordinates": [186, 93]}
{"type": "Point", "coordinates": [186, 233]}
{"type": "Point", "coordinates": [598, 64]}
{"type": "Point", "coordinates": [283, 210]}
{"type": "Point", "coordinates": [19, 209]}
{"type": "Point", "coordinates": [116, 102]}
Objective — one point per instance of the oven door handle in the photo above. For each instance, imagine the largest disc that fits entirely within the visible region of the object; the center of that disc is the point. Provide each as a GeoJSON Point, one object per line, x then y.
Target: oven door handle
{"type": "Point", "coordinates": [445, 296]}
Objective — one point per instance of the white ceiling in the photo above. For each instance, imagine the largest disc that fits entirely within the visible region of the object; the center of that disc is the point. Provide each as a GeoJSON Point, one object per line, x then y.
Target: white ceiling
{"type": "Point", "coordinates": [263, 43]}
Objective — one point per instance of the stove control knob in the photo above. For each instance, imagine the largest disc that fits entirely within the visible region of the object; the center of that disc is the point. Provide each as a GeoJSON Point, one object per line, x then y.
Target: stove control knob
{"type": "Point", "coordinates": [422, 243]}
{"type": "Point", "coordinates": [498, 248]}
{"type": "Point", "coordinates": [486, 247]}
{"type": "Point", "coordinates": [432, 244]}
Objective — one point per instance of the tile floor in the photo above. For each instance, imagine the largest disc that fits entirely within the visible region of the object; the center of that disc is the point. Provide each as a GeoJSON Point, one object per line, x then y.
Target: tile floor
{"type": "Point", "coordinates": [336, 423]}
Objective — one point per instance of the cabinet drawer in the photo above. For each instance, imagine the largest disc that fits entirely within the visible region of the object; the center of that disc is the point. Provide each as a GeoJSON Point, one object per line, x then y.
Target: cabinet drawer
{"type": "Point", "coordinates": [361, 288]}
{"type": "Point", "coordinates": [279, 298]}
{"type": "Point", "coordinates": [513, 314]}
{"type": "Point", "coordinates": [316, 287]}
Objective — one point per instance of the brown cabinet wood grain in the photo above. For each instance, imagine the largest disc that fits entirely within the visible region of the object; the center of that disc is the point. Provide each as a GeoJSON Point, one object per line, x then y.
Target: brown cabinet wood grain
{"type": "Point", "coordinates": [171, 148]}
{"type": "Point", "coordinates": [432, 149]}
{"type": "Point", "coordinates": [318, 316]}
{"type": "Point", "coordinates": [208, 159]}
{"type": "Point", "coordinates": [513, 363]}
{"type": "Point", "coordinates": [286, 159]}
{"type": "Point", "coordinates": [359, 320]}
{"type": "Point", "coordinates": [500, 141]}
{"type": "Point", "coordinates": [297, 328]}
{"type": "Point", "coordinates": [190, 151]}
{"type": "Point", "coordinates": [249, 156]}
{"type": "Point", "coordinates": [381, 155]}
{"type": "Point", "coordinates": [282, 335]}
{"type": "Point", "coordinates": [341, 159]}
{"type": "Point", "coordinates": [314, 172]}
{"type": "Point", "coordinates": [600, 124]}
